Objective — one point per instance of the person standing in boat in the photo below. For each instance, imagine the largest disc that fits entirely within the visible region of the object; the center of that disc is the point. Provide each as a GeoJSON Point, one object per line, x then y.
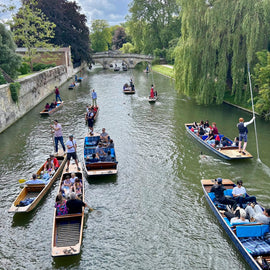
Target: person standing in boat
{"type": "Point", "coordinates": [243, 131]}
{"type": "Point", "coordinates": [71, 152]}
{"type": "Point", "coordinates": [152, 93]}
{"type": "Point", "coordinates": [58, 135]}
{"type": "Point", "coordinates": [57, 94]}
{"type": "Point", "coordinates": [94, 98]}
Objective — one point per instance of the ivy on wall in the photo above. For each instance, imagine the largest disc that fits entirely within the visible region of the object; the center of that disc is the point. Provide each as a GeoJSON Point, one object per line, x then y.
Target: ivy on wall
{"type": "Point", "coordinates": [14, 90]}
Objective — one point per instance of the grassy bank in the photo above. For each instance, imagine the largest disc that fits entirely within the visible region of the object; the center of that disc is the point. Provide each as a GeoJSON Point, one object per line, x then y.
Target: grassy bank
{"type": "Point", "coordinates": [166, 70]}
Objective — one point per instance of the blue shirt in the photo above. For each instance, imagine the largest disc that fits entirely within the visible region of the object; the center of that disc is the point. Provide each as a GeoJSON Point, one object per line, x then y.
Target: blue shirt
{"type": "Point", "coordinates": [94, 95]}
{"type": "Point", "coordinates": [35, 182]}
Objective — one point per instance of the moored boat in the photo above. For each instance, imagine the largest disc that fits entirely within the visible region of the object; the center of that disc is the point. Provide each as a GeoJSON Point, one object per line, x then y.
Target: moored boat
{"type": "Point", "coordinates": [249, 238]}
{"type": "Point", "coordinates": [116, 69]}
{"type": "Point", "coordinates": [68, 229]}
{"type": "Point", "coordinates": [103, 166]}
{"type": "Point", "coordinates": [73, 85]}
{"type": "Point", "coordinates": [79, 79]}
{"type": "Point", "coordinates": [128, 90]}
{"type": "Point", "coordinates": [152, 100]}
{"type": "Point", "coordinates": [31, 195]}
{"type": "Point", "coordinates": [227, 152]}
{"type": "Point", "coordinates": [49, 112]}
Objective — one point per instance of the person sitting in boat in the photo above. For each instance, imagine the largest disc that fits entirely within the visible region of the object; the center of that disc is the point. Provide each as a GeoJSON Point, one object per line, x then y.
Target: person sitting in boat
{"type": "Point", "coordinates": [214, 127]}
{"type": "Point", "coordinates": [108, 157]}
{"type": "Point", "coordinates": [104, 136]}
{"type": "Point", "coordinates": [240, 220]}
{"type": "Point", "coordinates": [239, 194]}
{"type": "Point", "coordinates": [201, 130]}
{"type": "Point", "coordinates": [152, 94]}
{"type": "Point", "coordinates": [93, 159]}
{"type": "Point", "coordinates": [34, 180]}
{"type": "Point", "coordinates": [206, 126]}
{"type": "Point", "coordinates": [54, 162]}
{"type": "Point", "coordinates": [256, 213]}
{"type": "Point", "coordinates": [95, 109]}
{"type": "Point", "coordinates": [47, 107]}
{"type": "Point", "coordinates": [111, 144]}
{"type": "Point", "coordinates": [52, 106]}
{"type": "Point", "coordinates": [73, 178]}
{"type": "Point", "coordinates": [219, 189]}
{"type": "Point", "coordinates": [100, 154]}
{"type": "Point", "coordinates": [60, 205]}
{"type": "Point", "coordinates": [225, 142]}
{"type": "Point", "coordinates": [48, 167]}
{"type": "Point", "coordinates": [67, 185]}
{"type": "Point", "coordinates": [77, 187]}
{"type": "Point", "coordinates": [236, 141]}
{"type": "Point", "coordinates": [75, 205]}
{"type": "Point", "coordinates": [211, 137]}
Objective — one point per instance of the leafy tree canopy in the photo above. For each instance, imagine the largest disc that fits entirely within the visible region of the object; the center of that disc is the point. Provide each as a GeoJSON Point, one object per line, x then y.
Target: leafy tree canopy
{"type": "Point", "coordinates": [218, 38]}
{"type": "Point", "coordinates": [119, 38]}
{"type": "Point", "coordinates": [101, 37]}
{"type": "Point", "coordinates": [153, 23]}
{"type": "Point", "coordinates": [9, 60]}
{"type": "Point", "coordinates": [71, 29]}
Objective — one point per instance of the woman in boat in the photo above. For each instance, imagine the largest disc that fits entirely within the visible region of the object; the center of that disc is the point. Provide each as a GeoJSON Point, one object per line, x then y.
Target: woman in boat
{"type": "Point", "coordinates": [152, 93]}
{"type": "Point", "coordinates": [47, 107]}
{"type": "Point", "coordinates": [214, 127]}
{"type": "Point", "coordinates": [111, 144]}
{"type": "Point", "coordinates": [77, 187]}
{"type": "Point", "coordinates": [67, 185]}
{"type": "Point", "coordinates": [73, 178]}
{"type": "Point", "coordinates": [60, 205]}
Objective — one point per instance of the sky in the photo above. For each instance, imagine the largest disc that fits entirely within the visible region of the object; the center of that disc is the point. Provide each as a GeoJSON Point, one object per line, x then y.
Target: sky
{"type": "Point", "coordinates": [113, 11]}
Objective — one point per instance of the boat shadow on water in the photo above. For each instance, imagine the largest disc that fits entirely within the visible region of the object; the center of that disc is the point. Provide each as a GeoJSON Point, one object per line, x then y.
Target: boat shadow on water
{"type": "Point", "coordinates": [67, 262]}
{"type": "Point", "coordinates": [23, 219]}
{"type": "Point", "coordinates": [101, 180]}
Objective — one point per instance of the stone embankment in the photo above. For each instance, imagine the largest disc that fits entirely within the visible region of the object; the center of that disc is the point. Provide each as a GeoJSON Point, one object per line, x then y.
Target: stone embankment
{"type": "Point", "coordinates": [34, 89]}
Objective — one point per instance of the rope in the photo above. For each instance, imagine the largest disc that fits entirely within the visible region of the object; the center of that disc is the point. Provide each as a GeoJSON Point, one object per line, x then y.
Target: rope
{"type": "Point", "coordinates": [251, 95]}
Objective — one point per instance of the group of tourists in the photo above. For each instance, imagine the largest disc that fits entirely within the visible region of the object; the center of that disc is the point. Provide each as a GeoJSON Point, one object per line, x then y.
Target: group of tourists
{"type": "Point", "coordinates": [245, 208]}
{"type": "Point", "coordinates": [53, 105]}
{"type": "Point", "coordinates": [213, 138]}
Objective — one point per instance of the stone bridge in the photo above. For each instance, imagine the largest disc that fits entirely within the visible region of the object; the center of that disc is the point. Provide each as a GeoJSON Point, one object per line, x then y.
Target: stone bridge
{"type": "Point", "coordinates": [130, 59]}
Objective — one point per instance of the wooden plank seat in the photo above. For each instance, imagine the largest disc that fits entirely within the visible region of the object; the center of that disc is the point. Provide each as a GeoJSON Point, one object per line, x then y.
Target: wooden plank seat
{"type": "Point", "coordinates": [68, 216]}
{"type": "Point", "coordinates": [101, 165]}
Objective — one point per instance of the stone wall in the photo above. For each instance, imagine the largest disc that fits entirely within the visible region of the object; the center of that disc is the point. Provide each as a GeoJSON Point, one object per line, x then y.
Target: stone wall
{"type": "Point", "coordinates": [34, 89]}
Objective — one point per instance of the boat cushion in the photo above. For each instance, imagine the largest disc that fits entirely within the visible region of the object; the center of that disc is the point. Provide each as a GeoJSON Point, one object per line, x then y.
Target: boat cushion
{"type": "Point", "coordinates": [251, 231]}
{"type": "Point", "coordinates": [217, 204]}
{"type": "Point", "coordinates": [91, 141]}
{"type": "Point", "coordinates": [256, 246]}
{"type": "Point", "coordinates": [228, 192]}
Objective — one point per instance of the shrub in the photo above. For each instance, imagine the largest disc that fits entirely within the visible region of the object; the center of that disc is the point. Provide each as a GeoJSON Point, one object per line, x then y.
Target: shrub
{"type": "Point", "coordinates": [14, 90]}
{"type": "Point", "coordinates": [2, 79]}
{"type": "Point", "coordinates": [24, 68]}
{"type": "Point", "coordinates": [41, 66]}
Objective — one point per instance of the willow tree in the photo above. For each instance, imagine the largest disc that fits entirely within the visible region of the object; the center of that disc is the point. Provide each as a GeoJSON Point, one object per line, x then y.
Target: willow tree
{"type": "Point", "coordinates": [218, 39]}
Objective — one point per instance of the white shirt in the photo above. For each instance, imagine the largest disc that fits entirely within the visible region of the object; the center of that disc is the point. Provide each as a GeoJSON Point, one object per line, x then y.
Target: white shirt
{"type": "Point", "coordinates": [71, 143]}
{"type": "Point", "coordinates": [238, 191]}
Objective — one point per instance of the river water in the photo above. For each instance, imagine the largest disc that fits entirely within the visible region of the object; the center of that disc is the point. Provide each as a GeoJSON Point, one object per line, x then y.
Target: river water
{"type": "Point", "coordinates": [153, 214]}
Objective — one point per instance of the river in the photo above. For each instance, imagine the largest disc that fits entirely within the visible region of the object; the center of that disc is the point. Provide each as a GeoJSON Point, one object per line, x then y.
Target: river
{"type": "Point", "coordinates": [152, 214]}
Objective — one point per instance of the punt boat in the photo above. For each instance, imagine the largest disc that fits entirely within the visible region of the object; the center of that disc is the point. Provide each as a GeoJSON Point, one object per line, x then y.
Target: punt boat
{"type": "Point", "coordinates": [68, 229]}
{"type": "Point", "coordinates": [31, 195]}
{"type": "Point", "coordinates": [226, 152]}
{"type": "Point", "coordinates": [72, 86]}
{"type": "Point", "coordinates": [49, 112]}
{"type": "Point", "coordinates": [102, 166]}
{"type": "Point", "coordinates": [128, 90]}
{"type": "Point", "coordinates": [250, 239]}
{"type": "Point", "coordinates": [79, 79]}
{"type": "Point", "coordinates": [152, 100]}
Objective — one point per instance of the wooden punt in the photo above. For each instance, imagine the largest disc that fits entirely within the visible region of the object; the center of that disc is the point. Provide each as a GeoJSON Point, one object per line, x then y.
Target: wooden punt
{"type": "Point", "coordinates": [68, 229]}
{"type": "Point", "coordinates": [72, 86]}
{"type": "Point", "coordinates": [101, 167]}
{"type": "Point", "coordinates": [47, 113]}
{"type": "Point", "coordinates": [242, 235]}
{"type": "Point", "coordinates": [37, 191]}
{"type": "Point", "coordinates": [152, 100]}
{"type": "Point", "coordinates": [116, 69]}
{"type": "Point", "coordinates": [227, 152]}
{"type": "Point", "coordinates": [129, 90]}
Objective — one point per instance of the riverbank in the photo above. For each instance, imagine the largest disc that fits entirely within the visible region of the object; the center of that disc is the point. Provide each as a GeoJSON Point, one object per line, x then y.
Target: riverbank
{"type": "Point", "coordinates": [167, 70]}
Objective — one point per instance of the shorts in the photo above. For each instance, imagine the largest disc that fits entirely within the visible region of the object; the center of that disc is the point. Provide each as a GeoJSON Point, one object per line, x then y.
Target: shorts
{"type": "Point", "coordinates": [71, 155]}
{"type": "Point", "coordinates": [243, 137]}
{"type": "Point", "coordinates": [90, 123]}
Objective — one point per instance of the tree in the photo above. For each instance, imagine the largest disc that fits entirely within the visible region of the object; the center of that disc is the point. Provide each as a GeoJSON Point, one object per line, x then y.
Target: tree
{"type": "Point", "coordinates": [119, 38]}
{"type": "Point", "coordinates": [153, 23]}
{"type": "Point", "coordinates": [218, 39]}
{"type": "Point", "coordinates": [262, 79]}
{"type": "Point", "coordinates": [71, 29]}
{"type": "Point", "coordinates": [9, 60]}
{"type": "Point", "coordinates": [101, 36]}
{"type": "Point", "coordinates": [31, 29]}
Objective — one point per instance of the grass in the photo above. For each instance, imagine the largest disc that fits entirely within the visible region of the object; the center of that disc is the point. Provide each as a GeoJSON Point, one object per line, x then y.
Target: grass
{"type": "Point", "coordinates": [167, 71]}
{"type": "Point", "coordinates": [25, 75]}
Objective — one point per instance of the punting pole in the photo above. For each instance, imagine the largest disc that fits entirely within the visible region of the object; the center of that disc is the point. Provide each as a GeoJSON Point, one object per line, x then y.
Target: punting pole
{"type": "Point", "coordinates": [251, 95]}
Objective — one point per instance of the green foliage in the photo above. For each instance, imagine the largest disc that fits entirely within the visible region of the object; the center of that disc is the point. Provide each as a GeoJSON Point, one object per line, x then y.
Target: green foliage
{"type": "Point", "coordinates": [218, 38]}
{"type": "Point", "coordinates": [119, 38]}
{"type": "Point", "coordinates": [24, 68]}
{"type": "Point", "coordinates": [42, 66]}
{"type": "Point", "coordinates": [31, 29]}
{"type": "Point", "coordinates": [101, 36]}
{"type": "Point", "coordinates": [262, 80]}
{"type": "Point", "coordinates": [9, 60]}
{"type": "Point", "coordinates": [128, 48]}
{"type": "Point", "coordinates": [2, 79]}
{"type": "Point", "coordinates": [152, 24]}
{"type": "Point", "coordinates": [14, 90]}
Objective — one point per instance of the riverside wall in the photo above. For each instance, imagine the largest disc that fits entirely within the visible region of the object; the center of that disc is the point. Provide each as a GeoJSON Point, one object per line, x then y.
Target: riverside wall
{"type": "Point", "coordinates": [34, 89]}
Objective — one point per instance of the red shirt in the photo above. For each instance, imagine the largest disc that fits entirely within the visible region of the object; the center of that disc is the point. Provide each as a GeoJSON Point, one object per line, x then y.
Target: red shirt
{"type": "Point", "coordinates": [215, 130]}
{"type": "Point", "coordinates": [57, 91]}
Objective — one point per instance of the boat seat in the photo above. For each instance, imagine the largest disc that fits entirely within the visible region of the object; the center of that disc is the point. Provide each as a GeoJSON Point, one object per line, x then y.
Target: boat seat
{"type": "Point", "coordinates": [252, 230]}
{"type": "Point", "coordinates": [91, 141]}
{"type": "Point", "coordinates": [228, 192]}
{"type": "Point", "coordinates": [256, 246]}
{"type": "Point", "coordinates": [217, 204]}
